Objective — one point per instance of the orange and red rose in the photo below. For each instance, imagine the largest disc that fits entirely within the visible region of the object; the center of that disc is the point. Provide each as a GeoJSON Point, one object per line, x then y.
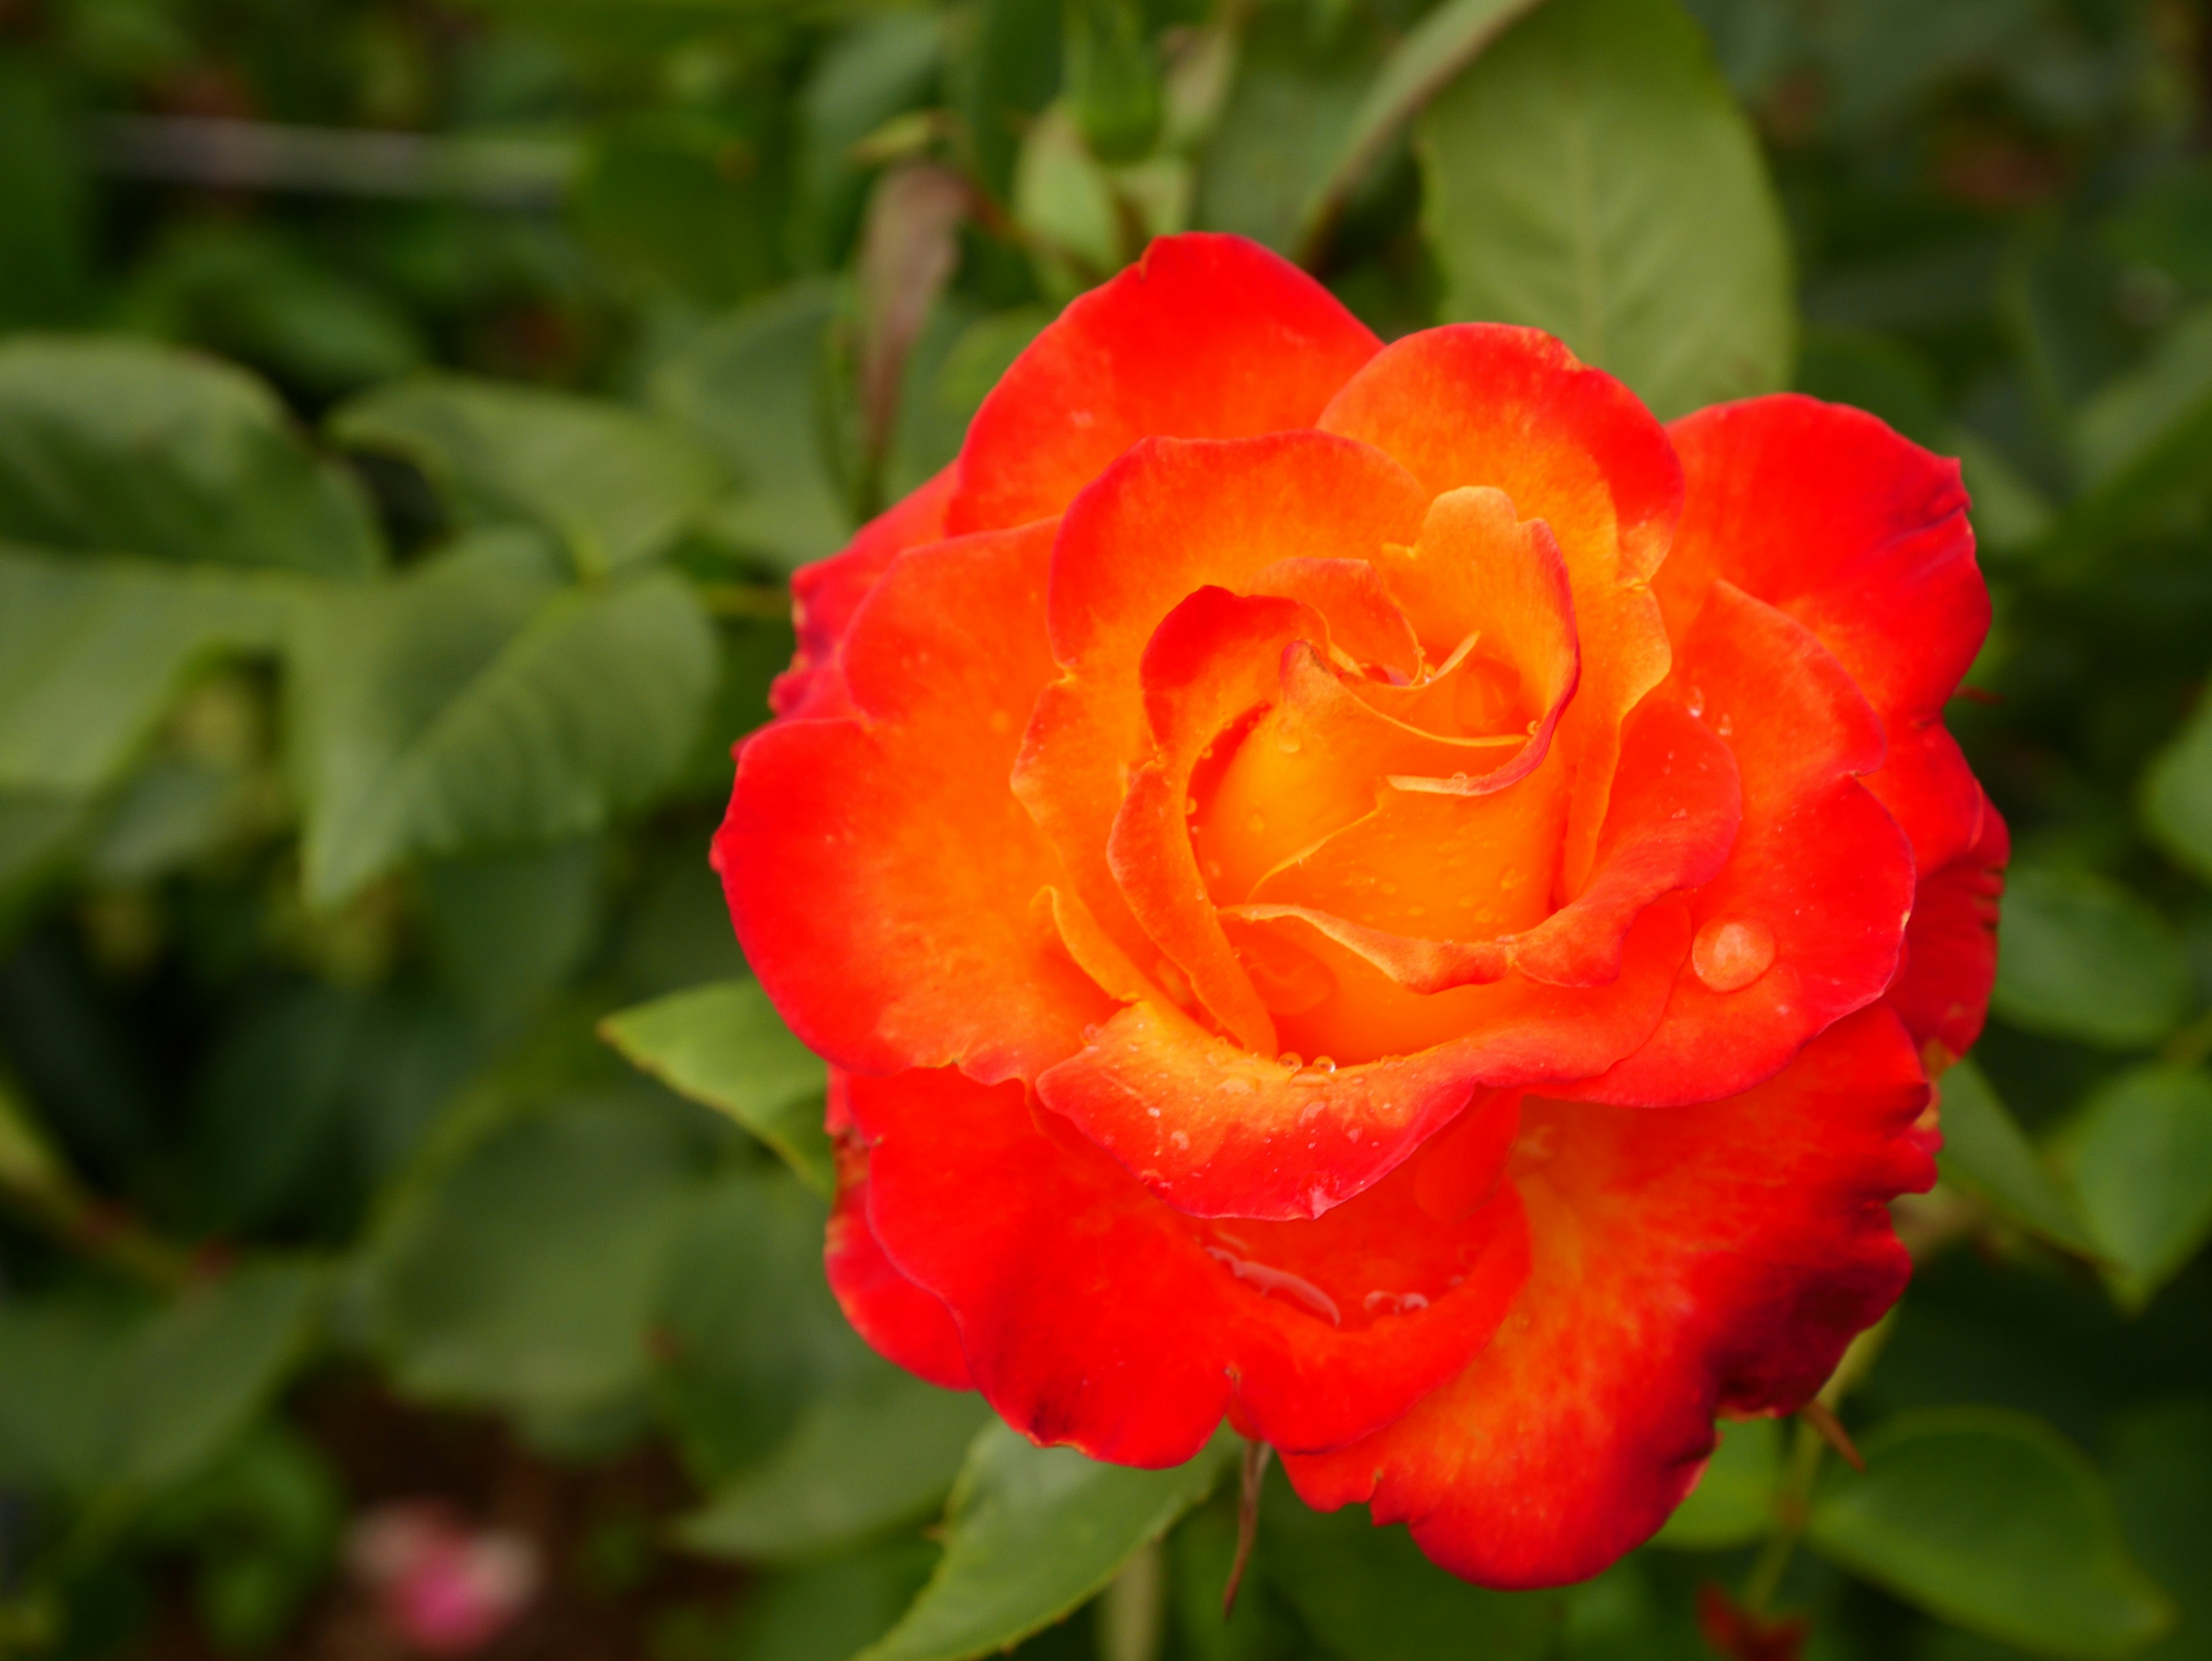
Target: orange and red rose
{"type": "Point", "coordinates": [1383, 893]}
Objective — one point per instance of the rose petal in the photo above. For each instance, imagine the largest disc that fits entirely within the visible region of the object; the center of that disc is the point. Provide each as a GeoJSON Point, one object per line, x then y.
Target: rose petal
{"type": "Point", "coordinates": [901, 1321]}
{"type": "Point", "coordinates": [1818, 883]}
{"type": "Point", "coordinates": [1217, 1131]}
{"type": "Point", "coordinates": [1481, 404]}
{"type": "Point", "coordinates": [825, 595]}
{"type": "Point", "coordinates": [879, 870]}
{"type": "Point", "coordinates": [1092, 1314]}
{"type": "Point", "coordinates": [1205, 336]}
{"type": "Point", "coordinates": [1943, 993]}
{"type": "Point", "coordinates": [1707, 1259]}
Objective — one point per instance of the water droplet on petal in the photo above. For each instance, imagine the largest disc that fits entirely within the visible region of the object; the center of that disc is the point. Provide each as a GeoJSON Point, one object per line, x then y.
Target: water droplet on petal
{"type": "Point", "coordinates": [1727, 726]}
{"type": "Point", "coordinates": [1730, 953]}
{"type": "Point", "coordinates": [1292, 1059]}
{"type": "Point", "coordinates": [1324, 1064]}
{"type": "Point", "coordinates": [1697, 701]}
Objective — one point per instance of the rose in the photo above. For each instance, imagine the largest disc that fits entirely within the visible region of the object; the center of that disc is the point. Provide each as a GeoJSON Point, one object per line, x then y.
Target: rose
{"type": "Point", "coordinates": [1378, 892]}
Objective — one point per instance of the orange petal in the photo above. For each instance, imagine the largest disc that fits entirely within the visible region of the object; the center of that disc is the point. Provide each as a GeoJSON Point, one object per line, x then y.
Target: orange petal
{"type": "Point", "coordinates": [1481, 404]}
{"type": "Point", "coordinates": [1216, 1131]}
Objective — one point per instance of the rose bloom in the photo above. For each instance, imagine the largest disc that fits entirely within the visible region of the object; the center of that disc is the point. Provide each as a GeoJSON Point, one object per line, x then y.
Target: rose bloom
{"type": "Point", "coordinates": [1380, 893]}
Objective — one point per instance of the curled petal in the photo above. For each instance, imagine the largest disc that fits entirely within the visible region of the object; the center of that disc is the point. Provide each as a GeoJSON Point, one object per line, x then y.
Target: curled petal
{"type": "Point", "coordinates": [1203, 513]}
{"type": "Point", "coordinates": [1216, 1131]}
{"type": "Point", "coordinates": [1364, 623]}
{"type": "Point", "coordinates": [1205, 336]}
{"type": "Point", "coordinates": [1709, 1259]}
{"type": "Point", "coordinates": [1805, 922]}
{"type": "Point", "coordinates": [1092, 1314]}
{"type": "Point", "coordinates": [1481, 404]}
{"type": "Point", "coordinates": [901, 1321]}
{"type": "Point", "coordinates": [878, 871]}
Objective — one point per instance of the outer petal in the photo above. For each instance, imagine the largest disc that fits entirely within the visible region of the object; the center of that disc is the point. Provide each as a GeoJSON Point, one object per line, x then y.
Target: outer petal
{"type": "Point", "coordinates": [1862, 536]}
{"type": "Point", "coordinates": [1951, 944]}
{"type": "Point", "coordinates": [901, 1321]}
{"type": "Point", "coordinates": [825, 595]}
{"type": "Point", "coordinates": [1714, 1258]}
{"type": "Point", "coordinates": [1481, 404]}
{"type": "Point", "coordinates": [1168, 518]}
{"type": "Point", "coordinates": [1820, 878]}
{"type": "Point", "coordinates": [879, 871]}
{"type": "Point", "coordinates": [1205, 337]}
{"type": "Point", "coordinates": [1216, 1131]}
{"type": "Point", "coordinates": [1092, 1314]}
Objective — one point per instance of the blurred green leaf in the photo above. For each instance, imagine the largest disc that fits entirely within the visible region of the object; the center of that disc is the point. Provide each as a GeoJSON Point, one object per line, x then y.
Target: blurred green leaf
{"type": "Point", "coordinates": [1991, 1520]}
{"type": "Point", "coordinates": [616, 486]}
{"type": "Point", "coordinates": [1030, 1534]}
{"type": "Point", "coordinates": [878, 67]}
{"type": "Point", "coordinates": [477, 704]}
{"type": "Point", "coordinates": [1732, 1503]}
{"type": "Point", "coordinates": [508, 929]}
{"type": "Point", "coordinates": [2141, 441]}
{"type": "Point", "coordinates": [2080, 957]}
{"type": "Point", "coordinates": [113, 1398]}
{"type": "Point", "coordinates": [1592, 175]}
{"type": "Point", "coordinates": [28, 1164]}
{"type": "Point", "coordinates": [746, 1332]}
{"type": "Point", "coordinates": [830, 1611]}
{"type": "Point", "coordinates": [112, 445]}
{"type": "Point", "coordinates": [1418, 68]}
{"type": "Point", "coordinates": [93, 652]}
{"type": "Point", "coordinates": [1369, 1595]}
{"type": "Point", "coordinates": [2167, 225]}
{"type": "Point", "coordinates": [1288, 110]}
{"type": "Point", "coordinates": [523, 1271]}
{"type": "Point", "coordinates": [1112, 78]}
{"type": "Point", "coordinates": [1005, 68]}
{"type": "Point", "coordinates": [1876, 373]}
{"type": "Point", "coordinates": [2141, 1156]}
{"type": "Point", "coordinates": [1986, 1153]}
{"type": "Point", "coordinates": [725, 1046]}
{"type": "Point", "coordinates": [679, 196]}
{"type": "Point", "coordinates": [857, 1464]}
{"type": "Point", "coordinates": [750, 388]}
{"type": "Point", "coordinates": [43, 200]}
{"type": "Point", "coordinates": [36, 832]}
{"type": "Point", "coordinates": [2177, 793]}
{"type": "Point", "coordinates": [2161, 1472]}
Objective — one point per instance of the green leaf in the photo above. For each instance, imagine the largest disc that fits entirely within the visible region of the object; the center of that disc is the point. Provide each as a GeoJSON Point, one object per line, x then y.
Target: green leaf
{"type": "Point", "coordinates": [1986, 1153]}
{"type": "Point", "coordinates": [93, 652]}
{"type": "Point", "coordinates": [725, 1046]}
{"type": "Point", "coordinates": [109, 1398]}
{"type": "Point", "coordinates": [856, 1464]}
{"type": "Point", "coordinates": [1009, 71]}
{"type": "Point", "coordinates": [116, 446]}
{"type": "Point", "coordinates": [2161, 1471]}
{"type": "Point", "coordinates": [2080, 957]}
{"type": "Point", "coordinates": [830, 1611]}
{"type": "Point", "coordinates": [2142, 439]}
{"type": "Point", "coordinates": [477, 704]}
{"type": "Point", "coordinates": [1369, 1595]}
{"type": "Point", "coordinates": [507, 929]}
{"type": "Point", "coordinates": [524, 1272]}
{"type": "Point", "coordinates": [746, 1331]}
{"type": "Point", "coordinates": [752, 389]}
{"type": "Point", "coordinates": [1284, 124]}
{"type": "Point", "coordinates": [2141, 1155]}
{"type": "Point", "coordinates": [1592, 175]}
{"type": "Point", "coordinates": [1992, 1521]}
{"type": "Point", "coordinates": [2177, 794]}
{"type": "Point", "coordinates": [1418, 67]}
{"type": "Point", "coordinates": [211, 1361]}
{"type": "Point", "coordinates": [615, 485]}
{"type": "Point", "coordinates": [1732, 1503]}
{"type": "Point", "coordinates": [1031, 1533]}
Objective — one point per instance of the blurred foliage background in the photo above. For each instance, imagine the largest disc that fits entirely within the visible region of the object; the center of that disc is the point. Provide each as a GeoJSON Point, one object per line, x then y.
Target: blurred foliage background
{"type": "Point", "coordinates": [410, 1215]}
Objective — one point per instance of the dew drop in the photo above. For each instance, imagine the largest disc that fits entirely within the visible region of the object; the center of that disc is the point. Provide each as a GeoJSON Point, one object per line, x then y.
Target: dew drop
{"type": "Point", "coordinates": [1189, 805]}
{"type": "Point", "coordinates": [1292, 1059]}
{"type": "Point", "coordinates": [1324, 1063]}
{"type": "Point", "coordinates": [1727, 726]}
{"type": "Point", "coordinates": [1730, 953]}
{"type": "Point", "coordinates": [1697, 701]}
{"type": "Point", "coordinates": [1180, 1139]}
{"type": "Point", "coordinates": [1288, 743]}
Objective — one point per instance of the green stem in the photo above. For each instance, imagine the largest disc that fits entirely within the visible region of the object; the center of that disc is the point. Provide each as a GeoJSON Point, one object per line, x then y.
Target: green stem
{"type": "Point", "coordinates": [1793, 1503]}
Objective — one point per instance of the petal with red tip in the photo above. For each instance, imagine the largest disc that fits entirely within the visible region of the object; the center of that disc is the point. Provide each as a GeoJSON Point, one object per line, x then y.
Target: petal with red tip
{"type": "Point", "coordinates": [1092, 1314]}
{"type": "Point", "coordinates": [1205, 336]}
{"type": "Point", "coordinates": [825, 595]}
{"type": "Point", "coordinates": [1708, 1259]}
{"type": "Point", "coordinates": [902, 1323]}
{"type": "Point", "coordinates": [1216, 1131]}
{"type": "Point", "coordinates": [1805, 922]}
{"type": "Point", "coordinates": [879, 872]}
{"type": "Point", "coordinates": [1951, 944]}
{"type": "Point", "coordinates": [1481, 404]}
